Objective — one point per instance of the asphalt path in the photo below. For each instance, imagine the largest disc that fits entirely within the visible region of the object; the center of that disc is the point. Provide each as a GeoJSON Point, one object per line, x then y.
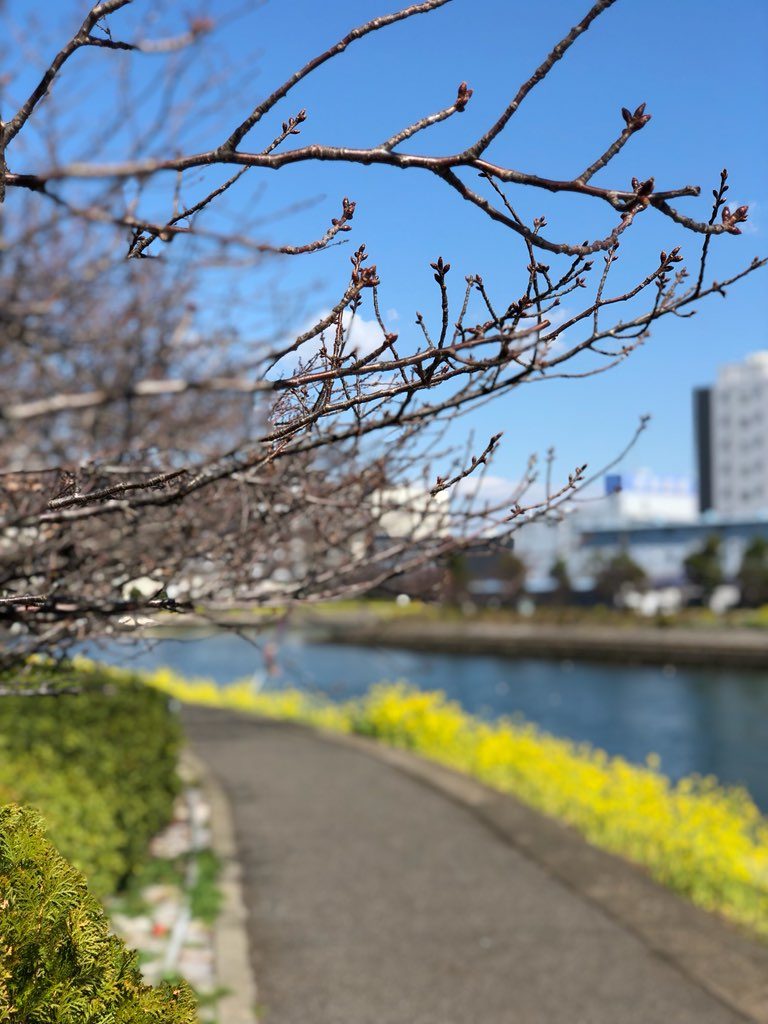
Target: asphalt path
{"type": "Point", "coordinates": [375, 899]}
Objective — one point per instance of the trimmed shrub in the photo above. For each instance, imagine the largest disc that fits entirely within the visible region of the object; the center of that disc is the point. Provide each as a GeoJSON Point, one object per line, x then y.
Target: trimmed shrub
{"type": "Point", "coordinates": [100, 765]}
{"type": "Point", "coordinates": [58, 962]}
{"type": "Point", "coordinates": [77, 812]}
{"type": "Point", "coordinates": [753, 573]}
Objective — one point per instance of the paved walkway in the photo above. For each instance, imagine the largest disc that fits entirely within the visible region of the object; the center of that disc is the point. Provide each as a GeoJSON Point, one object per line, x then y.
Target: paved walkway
{"type": "Point", "coordinates": [375, 899]}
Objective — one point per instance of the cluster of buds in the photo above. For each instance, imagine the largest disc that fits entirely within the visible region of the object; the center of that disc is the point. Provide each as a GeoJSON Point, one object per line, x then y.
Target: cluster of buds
{"type": "Point", "coordinates": [347, 213]}
{"type": "Point", "coordinates": [538, 268]}
{"type": "Point", "coordinates": [441, 269]}
{"type": "Point", "coordinates": [291, 126]}
{"type": "Point", "coordinates": [643, 191]}
{"type": "Point", "coordinates": [463, 97]}
{"type": "Point", "coordinates": [665, 259]}
{"type": "Point", "coordinates": [730, 218]}
{"type": "Point", "coordinates": [637, 120]}
{"type": "Point", "coordinates": [643, 188]}
{"type": "Point", "coordinates": [517, 309]}
{"type": "Point", "coordinates": [201, 26]}
{"type": "Point", "coordinates": [363, 277]}
{"type": "Point", "coordinates": [581, 282]}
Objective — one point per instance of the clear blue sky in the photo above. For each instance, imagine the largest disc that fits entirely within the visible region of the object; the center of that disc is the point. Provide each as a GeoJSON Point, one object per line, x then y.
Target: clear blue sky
{"type": "Point", "coordinates": [700, 66]}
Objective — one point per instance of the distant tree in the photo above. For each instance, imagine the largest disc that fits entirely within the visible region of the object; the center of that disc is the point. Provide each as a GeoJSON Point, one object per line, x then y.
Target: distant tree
{"type": "Point", "coordinates": [753, 573]}
{"type": "Point", "coordinates": [703, 567]}
{"type": "Point", "coordinates": [456, 578]}
{"type": "Point", "coordinates": [559, 573]}
{"type": "Point", "coordinates": [616, 575]}
{"type": "Point", "coordinates": [512, 573]}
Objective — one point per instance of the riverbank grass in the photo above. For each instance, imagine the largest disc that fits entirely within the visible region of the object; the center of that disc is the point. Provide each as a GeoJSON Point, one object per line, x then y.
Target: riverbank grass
{"type": "Point", "coordinates": [706, 841]}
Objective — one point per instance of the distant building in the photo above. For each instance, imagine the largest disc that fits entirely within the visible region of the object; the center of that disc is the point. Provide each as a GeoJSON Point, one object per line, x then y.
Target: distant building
{"type": "Point", "coordinates": [731, 429]}
{"type": "Point", "coordinates": [411, 511]}
{"type": "Point", "coordinates": [644, 497]}
{"type": "Point", "coordinates": [661, 549]}
{"type": "Point", "coordinates": [629, 500]}
{"type": "Point", "coordinates": [543, 541]}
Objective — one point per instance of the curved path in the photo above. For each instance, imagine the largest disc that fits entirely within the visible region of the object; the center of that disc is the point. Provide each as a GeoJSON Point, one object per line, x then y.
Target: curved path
{"type": "Point", "coordinates": [375, 897]}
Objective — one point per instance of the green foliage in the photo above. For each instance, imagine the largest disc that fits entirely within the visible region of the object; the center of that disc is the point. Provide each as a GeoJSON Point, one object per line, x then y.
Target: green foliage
{"type": "Point", "coordinates": [100, 765]}
{"type": "Point", "coordinates": [205, 897]}
{"type": "Point", "coordinates": [58, 962]}
{"type": "Point", "coordinates": [457, 578]}
{"type": "Point", "coordinates": [204, 893]}
{"type": "Point", "coordinates": [616, 574]}
{"type": "Point", "coordinates": [512, 571]}
{"type": "Point", "coordinates": [753, 573]}
{"type": "Point", "coordinates": [703, 567]}
{"type": "Point", "coordinates": [132, 901]}
{"type": "Point", "coordinates": [562, 580]}
{"type": "Point", "coordinates": [757, 619]}
{"type": "Point", "coordinates": [77, 812]}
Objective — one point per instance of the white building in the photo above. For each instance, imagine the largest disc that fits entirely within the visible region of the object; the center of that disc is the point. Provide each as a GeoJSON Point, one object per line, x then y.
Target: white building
{"type": "Point", "coordinates": [732, 439]}
{"type": "Point", "coordinates": [544, 541]}
{"type": "Point", "coordinates": [661, 549]}
{"type": "Point", "coordinates": [645, 497]}
{"type": "Point", "coordinates": [411, 511]}
{"type": "Point", "coordinates": [629, 501]}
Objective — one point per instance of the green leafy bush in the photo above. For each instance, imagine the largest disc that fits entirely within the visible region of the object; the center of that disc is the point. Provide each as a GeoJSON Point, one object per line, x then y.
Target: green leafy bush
{"type": "Point", "coordinates": [100, 765]}
{"type": "Point", "coordinates": [753, 573]}
{"type": "Point", "coordinates": [77, 813]}
{"type": "Point", "coordinates": [619, 573]}
{"type": "Point", "coordinates": [704, 568]}
{"type": "Point", "coordinates": [58, 962]}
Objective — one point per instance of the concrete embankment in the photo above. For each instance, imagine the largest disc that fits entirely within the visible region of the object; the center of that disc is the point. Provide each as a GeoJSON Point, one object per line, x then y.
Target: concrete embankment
{"type": "Point", "coordinates": [738, 648]}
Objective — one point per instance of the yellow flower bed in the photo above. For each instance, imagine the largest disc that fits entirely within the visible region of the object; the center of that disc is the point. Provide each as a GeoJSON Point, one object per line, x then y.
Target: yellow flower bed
{"type": "Point", "coordinates": [706, 841]}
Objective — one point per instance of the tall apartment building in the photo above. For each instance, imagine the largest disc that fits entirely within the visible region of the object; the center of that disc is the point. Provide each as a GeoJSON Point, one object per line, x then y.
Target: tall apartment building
{"type": "Point", "coordinates": [731, 427]}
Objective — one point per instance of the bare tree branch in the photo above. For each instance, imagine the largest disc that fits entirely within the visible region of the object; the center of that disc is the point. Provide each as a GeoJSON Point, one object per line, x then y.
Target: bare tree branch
{"type": "Point", "coordinates": [157, 456]}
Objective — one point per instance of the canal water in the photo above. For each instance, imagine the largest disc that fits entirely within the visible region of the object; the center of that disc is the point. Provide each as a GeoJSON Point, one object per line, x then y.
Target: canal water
{"type": "Point", "coordinates": [706, 721]}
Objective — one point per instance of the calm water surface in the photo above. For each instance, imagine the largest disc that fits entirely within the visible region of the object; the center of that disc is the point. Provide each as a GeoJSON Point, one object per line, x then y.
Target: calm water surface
{"type": "Point", "coordinates": [697, 720]}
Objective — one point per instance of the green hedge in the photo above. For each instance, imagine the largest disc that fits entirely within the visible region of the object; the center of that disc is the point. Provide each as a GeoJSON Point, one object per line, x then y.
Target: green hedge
{"type": "Point", "coordinates": [100, 765]}
{"type": "Point", "coordinates": [58, 962]}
